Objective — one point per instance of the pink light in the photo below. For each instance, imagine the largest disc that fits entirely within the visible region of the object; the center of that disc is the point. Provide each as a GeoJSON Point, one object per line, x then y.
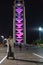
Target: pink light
{"type": "Point", "coordinates": [21, 33]}
{"type": "Point", "coordinates": [19, 20]}
{"type": "Point", "coordinates": [19, 40]}
{"type": "Point", "coordinates": [19, 25]}
{"type": "Point", "coordinates": [19, 10]}
{"type": "Point", "coordinates": [19, 37]}
{"type": "Point", "coordinates": [19, 30]}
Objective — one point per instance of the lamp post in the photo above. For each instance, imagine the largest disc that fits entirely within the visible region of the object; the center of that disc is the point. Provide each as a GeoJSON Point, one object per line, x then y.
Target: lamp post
{"type": "Point", "coordinates": [40, 30]}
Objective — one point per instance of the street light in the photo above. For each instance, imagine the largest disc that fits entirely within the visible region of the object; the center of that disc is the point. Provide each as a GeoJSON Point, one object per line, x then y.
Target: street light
{"type": "Point", "coordinates": [40, 30]}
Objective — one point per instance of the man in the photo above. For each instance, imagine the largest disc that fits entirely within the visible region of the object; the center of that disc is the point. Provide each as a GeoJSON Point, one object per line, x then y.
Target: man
{"type": "Point", "coordinates": [10, 48]}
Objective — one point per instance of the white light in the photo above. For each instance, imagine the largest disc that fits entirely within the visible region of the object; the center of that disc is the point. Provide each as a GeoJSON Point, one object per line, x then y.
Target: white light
{"type": "Point", "coordinates": [19, 4]}
{"type": "Point", "coordinates": [40, 29]}
{"type": "Point", "coordinates": [2, 36]}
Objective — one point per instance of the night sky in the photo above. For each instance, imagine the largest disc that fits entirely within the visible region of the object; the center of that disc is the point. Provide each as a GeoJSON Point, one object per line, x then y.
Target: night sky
{"type": "Point", "coordinates": [6, 17]}
{"type": "Point", "coordinates": [34, 17]}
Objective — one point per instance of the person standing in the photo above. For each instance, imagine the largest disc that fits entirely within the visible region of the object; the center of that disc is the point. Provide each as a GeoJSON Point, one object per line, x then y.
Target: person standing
{"type": "Point", "coordinates": [10, 48]}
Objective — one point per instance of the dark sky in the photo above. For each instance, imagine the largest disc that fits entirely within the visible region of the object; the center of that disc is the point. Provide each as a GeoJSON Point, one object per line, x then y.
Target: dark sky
{"type": "Point", "coordinates": [34, 17]}
{"type": "Point", "coordinates": [6, 17]}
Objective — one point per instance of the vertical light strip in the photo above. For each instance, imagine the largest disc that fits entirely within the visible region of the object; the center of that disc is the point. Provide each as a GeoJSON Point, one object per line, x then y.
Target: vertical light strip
{"type": "Point", "coordinates": [19, 23]}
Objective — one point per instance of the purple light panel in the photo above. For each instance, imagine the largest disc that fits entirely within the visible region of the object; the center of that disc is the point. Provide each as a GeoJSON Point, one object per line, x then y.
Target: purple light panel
{"type": "Point", "coordinates": [19, 40]}
{"type": "Point", "coordinates": [19, 10]}
{"type": "Point", "coordinates": [19, 19]}
{"type": "Point", "coordinates": [19, 24]}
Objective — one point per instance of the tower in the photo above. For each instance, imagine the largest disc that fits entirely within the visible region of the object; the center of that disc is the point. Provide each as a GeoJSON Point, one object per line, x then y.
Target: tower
{"type": "Point", "coordinates": [19, 22]}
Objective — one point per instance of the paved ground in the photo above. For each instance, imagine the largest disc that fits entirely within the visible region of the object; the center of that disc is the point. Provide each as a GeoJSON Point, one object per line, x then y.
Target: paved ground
{"type": "Point", "coordinates": [24, 57]}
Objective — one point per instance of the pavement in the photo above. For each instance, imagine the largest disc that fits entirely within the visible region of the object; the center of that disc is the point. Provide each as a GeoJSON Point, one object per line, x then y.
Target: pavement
{"type": "Point", "coordinates": [26, 56]}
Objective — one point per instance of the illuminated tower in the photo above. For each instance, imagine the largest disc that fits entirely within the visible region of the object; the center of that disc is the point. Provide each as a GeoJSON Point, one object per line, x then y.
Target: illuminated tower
{"type": "Point", "coordinates": [19, 22]}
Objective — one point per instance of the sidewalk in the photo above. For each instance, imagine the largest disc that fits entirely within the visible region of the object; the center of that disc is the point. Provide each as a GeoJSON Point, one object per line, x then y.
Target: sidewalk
{"type": "Point", "coordinates": [22, 58]}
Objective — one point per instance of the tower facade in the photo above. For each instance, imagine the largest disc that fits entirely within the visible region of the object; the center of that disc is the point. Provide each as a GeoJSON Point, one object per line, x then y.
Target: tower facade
{"type": "Point", "coordinates": [19, 22]}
